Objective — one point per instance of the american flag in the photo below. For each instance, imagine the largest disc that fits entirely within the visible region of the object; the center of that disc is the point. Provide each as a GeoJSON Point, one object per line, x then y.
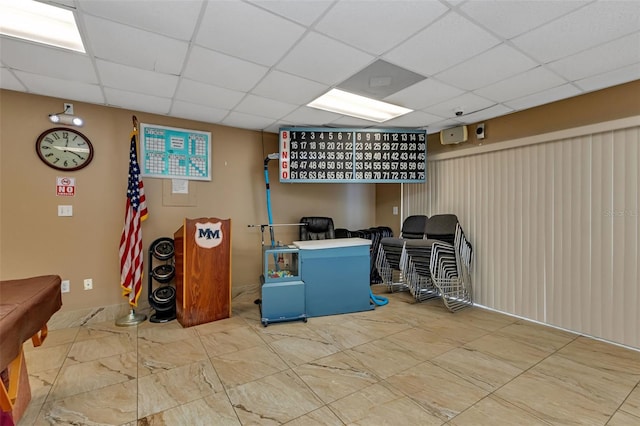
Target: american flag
{"type": "Point", "coordinates": [131, 240]}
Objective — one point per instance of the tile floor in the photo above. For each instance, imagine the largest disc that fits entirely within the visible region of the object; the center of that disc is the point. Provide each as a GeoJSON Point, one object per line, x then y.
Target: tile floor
{"type": "Point", "coordinates": [402, 364]}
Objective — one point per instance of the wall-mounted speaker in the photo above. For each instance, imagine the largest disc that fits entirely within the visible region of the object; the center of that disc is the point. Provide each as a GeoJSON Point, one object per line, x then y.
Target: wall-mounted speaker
{"type": "Point", "coordinates": [480, 131]}
{"type": "Point", "coordinates": [453, 135]}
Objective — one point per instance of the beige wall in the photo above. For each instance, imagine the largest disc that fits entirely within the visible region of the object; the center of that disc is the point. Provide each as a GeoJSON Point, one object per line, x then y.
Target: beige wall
{"type": "Point", "coordinates": [34, 240]}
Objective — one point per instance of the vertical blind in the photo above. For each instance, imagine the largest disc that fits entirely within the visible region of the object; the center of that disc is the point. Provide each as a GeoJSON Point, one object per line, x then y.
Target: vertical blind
{"type": "Point", "coordinates": [554, 227]}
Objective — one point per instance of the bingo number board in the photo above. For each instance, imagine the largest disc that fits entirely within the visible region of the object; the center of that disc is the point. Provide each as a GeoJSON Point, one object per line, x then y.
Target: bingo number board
{"type": "Point", "coordinates": [172, 153]}
{"type": "Point", "coordinates": [352, 155]}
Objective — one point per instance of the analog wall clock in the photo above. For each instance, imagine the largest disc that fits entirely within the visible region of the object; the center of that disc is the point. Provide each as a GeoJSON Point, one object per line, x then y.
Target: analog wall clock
{"type": "Point", "coordinates": [64, 149]}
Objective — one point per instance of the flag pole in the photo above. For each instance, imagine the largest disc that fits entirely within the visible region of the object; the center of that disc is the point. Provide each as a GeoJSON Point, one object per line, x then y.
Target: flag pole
{"type": "Point", "coordinates": [132, 318]}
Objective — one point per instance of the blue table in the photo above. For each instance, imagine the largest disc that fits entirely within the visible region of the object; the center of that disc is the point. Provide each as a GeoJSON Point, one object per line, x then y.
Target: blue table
{"type": "Point", "coordinates": [336, 275]}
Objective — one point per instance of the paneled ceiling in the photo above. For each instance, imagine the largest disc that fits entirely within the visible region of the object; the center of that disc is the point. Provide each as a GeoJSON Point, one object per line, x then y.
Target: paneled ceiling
{"type": "Point", "coordinates": [255, 64]}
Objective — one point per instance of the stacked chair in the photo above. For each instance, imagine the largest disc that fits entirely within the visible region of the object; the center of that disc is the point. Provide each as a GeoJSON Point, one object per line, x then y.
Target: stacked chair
{"type": "Point", "coordinates": [438, 265]}
{"type": "Point", "coordinates": [390, 252]}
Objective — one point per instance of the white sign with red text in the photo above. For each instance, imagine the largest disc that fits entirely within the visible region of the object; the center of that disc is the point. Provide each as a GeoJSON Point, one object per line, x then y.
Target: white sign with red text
{"type": "Point", "coordinates": [65, 186]}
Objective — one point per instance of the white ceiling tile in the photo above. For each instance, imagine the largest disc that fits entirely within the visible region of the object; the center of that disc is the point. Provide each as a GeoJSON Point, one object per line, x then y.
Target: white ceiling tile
{"type": "Point", "coordinates": [9, 81]}
{"type": "Point", "coordinates": [288, 88]}
{"type": "Point", "coordinates": [381, 25]}
{"type": "Point", "coordinates": [590, 26]}
{"type": "Point", "coordinates": [263, 107]}
{"type": "Point", "coordinates": [511, 18]}
{"type": "Point", "coordinates": [207, 95]}
{"type": "Point", "coordinates": [493, 65]}
{"type": "Point", "coordinates": [50, 61]}
{"type": "Point", "coordinates": [198, 112]}
{"type": "Point", "coordinates": [423, 94]}
{"type": "Point", "coordinates": [247, 32]}
{"type": "Point", "coordinates": [136, 80]}
{"type": "Point", "coordinates": [346, 121]}
{"type": "Point", "coordinates": [247, 121]}
{"type": "Point", "coordinates": [447, 42]}
{"type": "Point", "coordinates": [304, 11]}
{"type": "Point", "coordinates": [613, 55]}
{"type": "Point", "coordinates": [544, 97]}
{"type": "Point", "coordinates": [532, 81]}
{"type": "Point", "coordinates": [306, 116]}
{"type": "Point", "coordinates": [468, 102]}
{"type": "Point", "coordinates": [137, 101]}
{"type": "Point", "coordinates": [413, 119]}
{"type": "Point", "coordinates": [173, 18]}
{"type": "Point", "coordinates": [611, 78]}
{"type": "Point", "coordinates": [65, 89]}
{"type": "Point", "coordinates": [137, 48]}
{"type": "Point", "coordinates": [322, 59]}
{"type": "Point", "coordinates": [485, 114]}
{"type": "Point", "coordinates": [222, 70]}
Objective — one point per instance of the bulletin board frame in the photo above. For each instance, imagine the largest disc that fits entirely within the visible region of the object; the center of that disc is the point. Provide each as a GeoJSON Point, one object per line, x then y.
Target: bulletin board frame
{"type": "Point", "coordinates": [174, 153]}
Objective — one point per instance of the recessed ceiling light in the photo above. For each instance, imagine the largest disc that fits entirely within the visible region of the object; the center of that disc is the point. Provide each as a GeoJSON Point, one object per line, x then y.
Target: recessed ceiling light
{"type": "Point", "coordinates": [40, 22]}
{"type": "Point", "coordinates": [358, 106]}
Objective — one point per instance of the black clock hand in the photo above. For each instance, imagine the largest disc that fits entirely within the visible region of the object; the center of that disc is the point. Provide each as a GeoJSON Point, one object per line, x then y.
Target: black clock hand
{"type": "Point", "coordinates": [76, 154]}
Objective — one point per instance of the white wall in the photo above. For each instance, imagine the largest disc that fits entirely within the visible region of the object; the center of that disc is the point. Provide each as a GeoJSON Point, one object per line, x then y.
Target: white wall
{"type": "Point", "coordinates": [554, 224]}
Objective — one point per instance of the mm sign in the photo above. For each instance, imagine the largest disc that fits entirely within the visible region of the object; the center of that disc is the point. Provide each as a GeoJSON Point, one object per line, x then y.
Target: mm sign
{"type": "Point", "coordinates": [65, 186]}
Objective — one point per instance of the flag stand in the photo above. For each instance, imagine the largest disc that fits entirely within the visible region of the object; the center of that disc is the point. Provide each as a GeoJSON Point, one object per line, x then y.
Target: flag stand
{"type": "Point", "coordinates": [136, 212]}
{"type": "Point", "coordinates": [131, 319]}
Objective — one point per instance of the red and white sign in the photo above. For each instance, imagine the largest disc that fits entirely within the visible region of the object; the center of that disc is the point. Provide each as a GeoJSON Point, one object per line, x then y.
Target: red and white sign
{"type": "Point", "coordinates": [65, 186]}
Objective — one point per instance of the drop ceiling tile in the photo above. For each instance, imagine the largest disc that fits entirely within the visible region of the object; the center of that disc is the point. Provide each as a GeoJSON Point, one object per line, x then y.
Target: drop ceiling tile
{"type": "Point", "coordinates": [613, 55]}
{"type": "Point", "coordinates": [288, 88]}
{"type": "Point", "coordinates": [9, 81]}
{"type": "Point", "coordinates": [469, 103]}
{"type": "Point", "coordinates": [263, 107]}
{"type": "Point", "coordinates": [379, 80]}
{"type": "Point", "coordinates": [447, 42]}
{"type": "Point", "coordinates": [173, 18]}
{"type": "Point", "coordinates": [305, 12]}
{"type": "Point", "coordinates": [136, 80]}
{"type": "Point", "coordinates": [587, 27]}
{"type": "Point", "coordinates": [246, 121]}
{"type": "Point", "coordinates": [319, 58]}
{"type": "Point", "coordinates": [346, 121]}
{"type": "Point", "coordinates": [198, 112]}
{"type": "Point", "coordinates": [50, 61]}
{"type": "Point", "coordinates": [65, 89]}
{"type": "Point", "coordinates": [424, 94]}
{"type": "Point", "coordinates": [413, 119]}
{"type": "Point", "coordinates": [247, 32]}
{"type": "Point", "coordinates": [137, 102]}
{"type": "Point", "coordinates": [191, 91]}
{"type": "Point", "coordinates": [485, 114]}
{"type": "Point", "coordinates": [611, 78]}
{"type": "Point", "coordinates": [137, 48]}
{"type": "Point", "coordinates": [380, 25]}
{"type": "Point", "coordinates": [544, 97]}
{"type": "Point", "coordinates": [493, 65]}
{"type": "Point", "coordinates": [511, 18]}
{"type": "Point", "coordinates": [527, 83]}
{"type": "Point", "coordinates": [222, 70]}
{"type": "Point", "coordinates": [306, 116]}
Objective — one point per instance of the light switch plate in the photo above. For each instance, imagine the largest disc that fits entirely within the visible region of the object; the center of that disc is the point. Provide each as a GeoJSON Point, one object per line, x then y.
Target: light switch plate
{"type": "Point", "coordinates": [65, 210]}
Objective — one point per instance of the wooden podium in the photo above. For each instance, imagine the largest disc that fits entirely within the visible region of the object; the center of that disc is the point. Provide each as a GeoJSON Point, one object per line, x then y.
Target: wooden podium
{"type": "Point", "coordinates": [203, 270]}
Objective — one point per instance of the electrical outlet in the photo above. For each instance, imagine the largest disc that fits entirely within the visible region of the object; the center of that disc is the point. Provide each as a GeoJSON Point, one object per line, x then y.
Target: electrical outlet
{"type": "Point", "coordinates": [88, 284]}
{"type": "Point", "coordinates": [65, 287]}
{"type": "Point", "coordinates": [68, 108]}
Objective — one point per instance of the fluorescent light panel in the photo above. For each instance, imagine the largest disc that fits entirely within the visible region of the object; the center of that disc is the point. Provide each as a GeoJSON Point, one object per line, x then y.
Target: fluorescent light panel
{"type": "Point", "coordinates": [40, 22]}
{"type": "Point", "coordinates": [358, 106]}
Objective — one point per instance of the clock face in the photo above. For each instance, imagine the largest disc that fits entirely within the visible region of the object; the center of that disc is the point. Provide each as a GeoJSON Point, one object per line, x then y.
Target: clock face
{"type": "Point", "coordinates": [64, 149]}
